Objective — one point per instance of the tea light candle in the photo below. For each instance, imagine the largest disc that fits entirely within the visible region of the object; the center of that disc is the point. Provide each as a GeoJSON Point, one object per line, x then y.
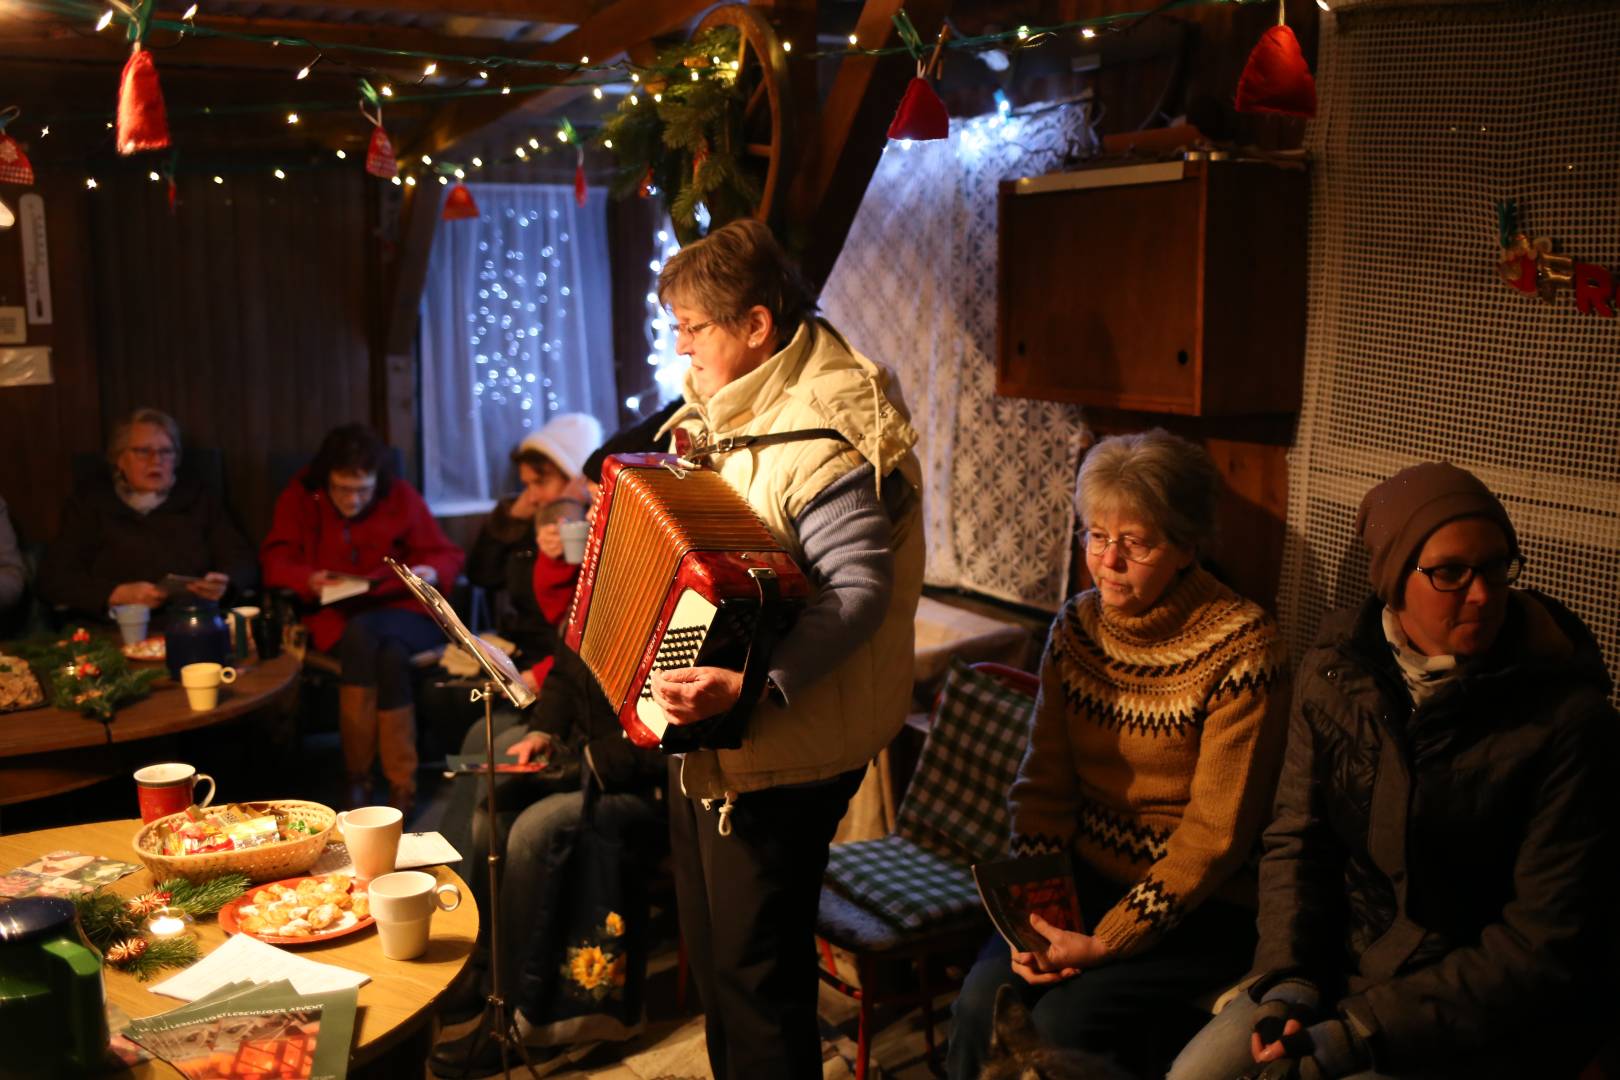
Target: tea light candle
{"type": "Point", "coordinates": [169, 922]}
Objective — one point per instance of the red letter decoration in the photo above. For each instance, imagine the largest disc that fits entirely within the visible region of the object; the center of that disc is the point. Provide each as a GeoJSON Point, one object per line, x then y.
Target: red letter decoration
{"type": "Point", "coordinates": [1593, 287]}
{"type": "Point", "coordinates": [143, 123]}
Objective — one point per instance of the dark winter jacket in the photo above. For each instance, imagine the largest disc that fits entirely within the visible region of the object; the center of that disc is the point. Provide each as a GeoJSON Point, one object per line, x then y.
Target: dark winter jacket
{"type": "Point", "coordinates": [502, 563]}
{"type": "Point", "coordinates": [573, 710]}
{"type": "Point", "coordinates": [1446, 873]}
{"type": "Point", "coordinates": [103, 543]}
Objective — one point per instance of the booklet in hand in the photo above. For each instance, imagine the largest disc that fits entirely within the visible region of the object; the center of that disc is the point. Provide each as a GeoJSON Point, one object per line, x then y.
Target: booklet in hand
{"type": "Point", "coordinates": [342, 586]}
{"type": "Point", "coordinates": [1013, 889]}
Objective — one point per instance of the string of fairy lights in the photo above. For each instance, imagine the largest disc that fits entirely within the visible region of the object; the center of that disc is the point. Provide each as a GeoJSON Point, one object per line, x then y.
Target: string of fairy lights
{"type": "Point", "coordinates": [487, 76]}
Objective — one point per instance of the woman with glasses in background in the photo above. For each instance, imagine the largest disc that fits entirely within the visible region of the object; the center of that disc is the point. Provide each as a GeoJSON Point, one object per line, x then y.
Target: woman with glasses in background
{"type": "Point", "coordinates": [121, 537]}
{"type": "Point", "coordinates": [332, 526]}
{"type": "Point", "coordinates": [1152, 758]}
{"type": "Point", "coordinates": [1436, 891]}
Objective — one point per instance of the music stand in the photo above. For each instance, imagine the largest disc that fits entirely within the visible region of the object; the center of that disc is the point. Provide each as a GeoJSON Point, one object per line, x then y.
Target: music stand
{"type": "Point", "coordinates": [499, 674]}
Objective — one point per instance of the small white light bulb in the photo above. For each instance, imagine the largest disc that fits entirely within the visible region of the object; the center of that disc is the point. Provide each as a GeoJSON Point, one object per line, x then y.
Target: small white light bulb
{"type": "Point", "coordinates": [787, 46]}
{"type": "Point", "coordinates": [152, 176]}
{"type": "Point", "coordinates": [430, 69]}
{"type": "Point", "coordinates": [484, 75]}
{"type": "Point", "coordinates": [460, 174]}
{"type": "Point", "coordinates": [1023, 33]}
{"type": "Point", "coordinates": [410, 181]}
{"type": "Point", "coordinates": [633, 100]}
{"type": "Point", "coordinates": [1088, 33]}
{"type": "Point", "coordinates": [478, 163]}
{"type": "Point", "coordinates": [191, 13]}
{"type": "Point", "coordinates": [658, 97]}
{"type": "Point", "coordinates": [442, 180]}
{"type": "Point", "coordinates": [386, 91]}
{"type": "Point", "coordinates": [280, 175]}
{"type": "Point", "coordinates": [90, 183]}
{"type": "Point", "coordinates": [597, 93]}
{"type": "Point", "coordinates": [608, 143]}
{"type": "Point", "coordinates": [506, 89]}
{"type": "Point", "coordinates": [103, 22]}
{"type": "Point", "coordinates": [292, 118]}
{"type": "Point", "coordinates": [534, 144]}
{"type": "Point", "coordinates": [219, 179]}
{"type": "Point", "coordinates": [694, 75]}
{"type": "Point", "coordinates": [634, 77]}
{"type": "Point", "coordinates": [853, 40]}
{"type": "Point", "coordinates": [342, 154]}
{"type": "Point", "coordinates": [397, 181]}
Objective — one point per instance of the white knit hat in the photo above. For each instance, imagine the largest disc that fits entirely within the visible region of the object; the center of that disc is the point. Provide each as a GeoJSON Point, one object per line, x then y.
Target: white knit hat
{"type": "Point", "coordinates": [567, 440]}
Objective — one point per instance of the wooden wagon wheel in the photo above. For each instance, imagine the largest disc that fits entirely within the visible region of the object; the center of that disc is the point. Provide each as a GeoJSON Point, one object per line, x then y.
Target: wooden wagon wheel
{"type": "Point", "coordinates": [768, 145]}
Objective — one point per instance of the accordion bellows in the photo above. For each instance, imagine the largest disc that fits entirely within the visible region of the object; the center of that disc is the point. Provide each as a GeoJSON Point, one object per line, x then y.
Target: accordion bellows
{"type": "Point", "coordinates": [679, 572]}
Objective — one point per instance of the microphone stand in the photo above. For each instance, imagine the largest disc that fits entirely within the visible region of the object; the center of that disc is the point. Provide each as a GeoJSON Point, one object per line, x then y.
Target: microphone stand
{"type": "Point", "coordinates": [497, 1023]}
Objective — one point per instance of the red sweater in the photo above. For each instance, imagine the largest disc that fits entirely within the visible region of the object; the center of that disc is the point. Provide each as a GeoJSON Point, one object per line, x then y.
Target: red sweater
{"type": "Point", "coordinates": [308, 534]}
{"type": "Point", "coordinates": [554, 582]}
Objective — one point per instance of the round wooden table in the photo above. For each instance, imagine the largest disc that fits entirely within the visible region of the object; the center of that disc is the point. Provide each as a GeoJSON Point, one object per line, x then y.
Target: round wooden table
{"type": "Point", "coordinates": [48, 751]}
{"type": "Point", "coordinates": [394, 1005]}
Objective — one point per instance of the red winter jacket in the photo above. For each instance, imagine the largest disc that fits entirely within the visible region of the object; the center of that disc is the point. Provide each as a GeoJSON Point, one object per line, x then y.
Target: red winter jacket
{"type": "Point", "coordinates": [308, 534]}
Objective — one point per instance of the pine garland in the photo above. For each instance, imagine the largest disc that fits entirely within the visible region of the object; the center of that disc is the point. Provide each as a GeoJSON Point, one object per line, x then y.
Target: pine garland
{"type": "Point", "coordinates": [85, 672]}
{"type": "Point", "coordinates": [113, 923]}
{"type": "Point", "coordinates": [687, 144]}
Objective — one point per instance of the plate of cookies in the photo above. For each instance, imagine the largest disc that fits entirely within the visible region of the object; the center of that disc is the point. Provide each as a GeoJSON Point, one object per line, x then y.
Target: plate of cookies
{"type": "Point", "coordinates": [299, 911]}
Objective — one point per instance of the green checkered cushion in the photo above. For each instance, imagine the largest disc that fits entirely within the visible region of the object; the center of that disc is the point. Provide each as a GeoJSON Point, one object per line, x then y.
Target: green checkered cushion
{"type": "Point", "coordinates": [956, 804]}
{"type": "Point", "coordinates": [955, 810]}
{"type": "Point", "coordinates": [906, 884]}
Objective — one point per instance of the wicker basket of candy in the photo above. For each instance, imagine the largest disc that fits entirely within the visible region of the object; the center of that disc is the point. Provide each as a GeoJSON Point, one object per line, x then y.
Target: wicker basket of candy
{"type": "Point", "coordinates": [266, 841]}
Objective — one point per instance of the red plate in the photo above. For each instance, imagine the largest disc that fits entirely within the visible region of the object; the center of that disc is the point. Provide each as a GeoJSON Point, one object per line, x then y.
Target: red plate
{"type": "Point", "coordinates": [230, 920]}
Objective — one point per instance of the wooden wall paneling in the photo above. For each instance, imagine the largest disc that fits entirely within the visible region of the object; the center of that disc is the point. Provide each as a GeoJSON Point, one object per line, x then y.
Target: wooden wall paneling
{"type": "Point", "coordinates": [395, 364]}
{"type": "Point", "coordinates": [632, 245]}
{"type": "Point", "coordinates": [42, 427]}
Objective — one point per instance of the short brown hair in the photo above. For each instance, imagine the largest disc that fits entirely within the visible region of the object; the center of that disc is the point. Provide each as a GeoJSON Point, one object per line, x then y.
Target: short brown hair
{"type": "Point", "coordinates": [733, 269]}
{"type": "Point", "coordinates": [1168, 479]}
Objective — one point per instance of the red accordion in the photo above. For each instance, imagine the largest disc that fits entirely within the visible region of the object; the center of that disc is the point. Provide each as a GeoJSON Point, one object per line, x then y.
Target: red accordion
{"type": "Point", "coordinates": [679, 572]}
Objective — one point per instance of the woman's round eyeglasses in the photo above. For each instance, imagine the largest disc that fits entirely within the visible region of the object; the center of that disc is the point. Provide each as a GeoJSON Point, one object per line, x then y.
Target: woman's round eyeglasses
{"type": "Point", "coordinates": [1133, 548]}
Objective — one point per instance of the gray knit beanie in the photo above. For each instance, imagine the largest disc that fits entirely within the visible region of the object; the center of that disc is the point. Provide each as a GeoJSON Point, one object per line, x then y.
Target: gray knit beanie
{"type": "Point", "coordinates": [1398, 515]}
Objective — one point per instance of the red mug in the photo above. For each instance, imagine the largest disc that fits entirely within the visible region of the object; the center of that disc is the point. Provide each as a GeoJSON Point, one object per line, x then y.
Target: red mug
{"type": "Point", "coordinates": [168, 789]}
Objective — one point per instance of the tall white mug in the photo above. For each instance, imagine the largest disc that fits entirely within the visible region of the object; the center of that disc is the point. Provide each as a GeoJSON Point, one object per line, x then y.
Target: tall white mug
{"type": "Point", "coordinates": [403, 904]}
{"type": "Point", "coordinates": [372, 834]}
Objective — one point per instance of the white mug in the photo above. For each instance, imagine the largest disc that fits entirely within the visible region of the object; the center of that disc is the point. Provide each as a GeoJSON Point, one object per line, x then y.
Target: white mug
{"type": "Point", "coordinates": [202, 682]}
{"type": "Point", "coordinates": [372, 834]}
{"type": "Point", "coordinates": [574, 534]}
{"type": "Point", "coordinates": [403, 904]}
{"type": "Point", "coordinates": [133, 620]}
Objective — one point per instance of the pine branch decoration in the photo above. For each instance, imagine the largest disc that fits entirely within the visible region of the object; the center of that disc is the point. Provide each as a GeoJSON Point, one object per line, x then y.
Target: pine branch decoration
{"type": "Point", "coordinates": [205, 897]}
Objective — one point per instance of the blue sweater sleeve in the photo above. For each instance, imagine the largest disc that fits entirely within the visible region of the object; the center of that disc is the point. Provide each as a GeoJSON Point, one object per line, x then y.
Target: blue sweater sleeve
{"type": "Point", "coordinates": [846, 533]}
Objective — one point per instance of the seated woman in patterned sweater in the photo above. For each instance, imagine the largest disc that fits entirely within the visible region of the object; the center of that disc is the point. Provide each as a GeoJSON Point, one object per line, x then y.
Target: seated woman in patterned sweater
{"type": "Point", "coordinates": [1153, 754]}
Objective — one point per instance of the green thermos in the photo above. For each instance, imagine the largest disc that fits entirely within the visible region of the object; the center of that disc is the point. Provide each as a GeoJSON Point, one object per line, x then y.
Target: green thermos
{"type": "Point", "coordinates": [53, 1006]}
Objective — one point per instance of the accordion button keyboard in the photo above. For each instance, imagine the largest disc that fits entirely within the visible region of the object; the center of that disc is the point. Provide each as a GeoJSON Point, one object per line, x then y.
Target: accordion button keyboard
{"type": "Point", "coordinates": [679, 649]}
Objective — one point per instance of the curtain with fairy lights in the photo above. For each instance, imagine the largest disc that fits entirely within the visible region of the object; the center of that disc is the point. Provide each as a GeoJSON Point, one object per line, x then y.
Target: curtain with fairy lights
{"type": "Point", "coordinates": [516, 328]}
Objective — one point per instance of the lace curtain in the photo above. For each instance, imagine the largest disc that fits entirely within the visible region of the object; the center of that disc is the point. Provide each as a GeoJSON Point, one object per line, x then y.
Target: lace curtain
{"type": "Point", "coordinates": [915, 289]}
{"type": "Point", "coordinates": [516, 328]}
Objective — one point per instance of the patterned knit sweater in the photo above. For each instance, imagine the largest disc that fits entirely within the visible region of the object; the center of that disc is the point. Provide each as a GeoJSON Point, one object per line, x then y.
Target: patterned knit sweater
{"type": "Point", "coordinates": [1154, 751]}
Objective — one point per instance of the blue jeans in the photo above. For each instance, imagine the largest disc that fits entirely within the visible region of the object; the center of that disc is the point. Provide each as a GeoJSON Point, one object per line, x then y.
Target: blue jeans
{"type": "Point", "coordinates": [530, 827]}
{"type": "Point", "coordinates": [1137, 1010]}
{"type": "Point", "coordinates": [1221, 1050]}
{"type": "Point", "coordinates": [376, 650]}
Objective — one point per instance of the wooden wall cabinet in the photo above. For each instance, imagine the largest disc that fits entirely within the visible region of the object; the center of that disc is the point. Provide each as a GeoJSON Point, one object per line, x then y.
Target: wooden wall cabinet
{"type": "Point", "coordinates": [1174, 287]}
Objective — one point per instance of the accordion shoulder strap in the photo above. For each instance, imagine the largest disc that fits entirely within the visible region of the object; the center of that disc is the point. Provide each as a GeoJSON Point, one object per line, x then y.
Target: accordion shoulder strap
{"type": "Point", "coordinates": [744, 442]}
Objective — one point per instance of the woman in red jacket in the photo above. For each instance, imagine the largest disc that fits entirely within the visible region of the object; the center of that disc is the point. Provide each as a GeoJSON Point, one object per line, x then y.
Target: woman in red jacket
{"type": "Point", "coordinates": [335, 521]}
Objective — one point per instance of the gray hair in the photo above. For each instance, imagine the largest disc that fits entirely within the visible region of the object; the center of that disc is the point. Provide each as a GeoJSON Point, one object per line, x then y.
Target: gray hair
{"type": "Point", "coordinates": [1168, 480]}
{"type": "Point", "coordinates": [121, 432]}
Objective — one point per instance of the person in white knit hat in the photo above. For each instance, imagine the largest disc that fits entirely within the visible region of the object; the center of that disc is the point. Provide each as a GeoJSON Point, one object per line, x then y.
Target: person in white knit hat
{"type": "Point", "coordinates": [521, 535]}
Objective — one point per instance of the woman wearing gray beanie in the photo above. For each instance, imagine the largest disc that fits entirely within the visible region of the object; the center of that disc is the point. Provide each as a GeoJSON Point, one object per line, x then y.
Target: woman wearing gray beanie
{"type": "Point", "coordinates": [1433, 897]}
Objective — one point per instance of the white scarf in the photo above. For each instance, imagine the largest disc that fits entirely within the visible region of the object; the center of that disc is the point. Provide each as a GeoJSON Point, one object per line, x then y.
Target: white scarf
{"type": "Point", "coordinates": [1423, 674]}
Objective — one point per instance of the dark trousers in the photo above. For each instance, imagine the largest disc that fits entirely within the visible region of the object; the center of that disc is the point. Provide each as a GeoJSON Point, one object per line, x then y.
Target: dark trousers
{"type": "Point", "coordinates": [748, 906]}
{"type": "Point", "coordinates": [1137, 1010]}
{"type": "Point", "coordinates": [376, 650]}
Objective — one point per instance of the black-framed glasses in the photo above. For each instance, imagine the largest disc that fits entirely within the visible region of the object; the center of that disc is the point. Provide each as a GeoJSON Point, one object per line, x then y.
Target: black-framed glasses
{"type": "Point", "coordinates": [1133, 548]}
{"type": "Point", "coordinates": [1457, 576]}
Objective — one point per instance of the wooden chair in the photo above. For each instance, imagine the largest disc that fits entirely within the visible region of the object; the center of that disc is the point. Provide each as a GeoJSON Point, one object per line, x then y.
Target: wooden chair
{"type": "Point", "coordinates": [900, 915]}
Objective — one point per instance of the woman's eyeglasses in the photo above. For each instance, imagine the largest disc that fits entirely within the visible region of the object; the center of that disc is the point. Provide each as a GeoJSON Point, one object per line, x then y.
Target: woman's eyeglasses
{"type": "Point", "coordinates": [1133, 548]}
{"type": "Point", "coordinates": [153, 453]}
{"type": "Point", "coordinates": [1457, 576]}
{"type": "Point", "coordinates": [689, 330]}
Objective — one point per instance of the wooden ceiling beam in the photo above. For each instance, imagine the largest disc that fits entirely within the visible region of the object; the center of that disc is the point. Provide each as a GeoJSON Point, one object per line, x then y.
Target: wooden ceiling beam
{"type": "Point", "coordinates": [568, 12]}
{"type": "Point", "coordinates": [606, 35]}
{"type": "Point", "coordinates": [45, 41]}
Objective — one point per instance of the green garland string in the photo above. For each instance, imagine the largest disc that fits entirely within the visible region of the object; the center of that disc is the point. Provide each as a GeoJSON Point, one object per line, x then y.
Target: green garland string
{"type": "Point", "coordinates": [685, 135]}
